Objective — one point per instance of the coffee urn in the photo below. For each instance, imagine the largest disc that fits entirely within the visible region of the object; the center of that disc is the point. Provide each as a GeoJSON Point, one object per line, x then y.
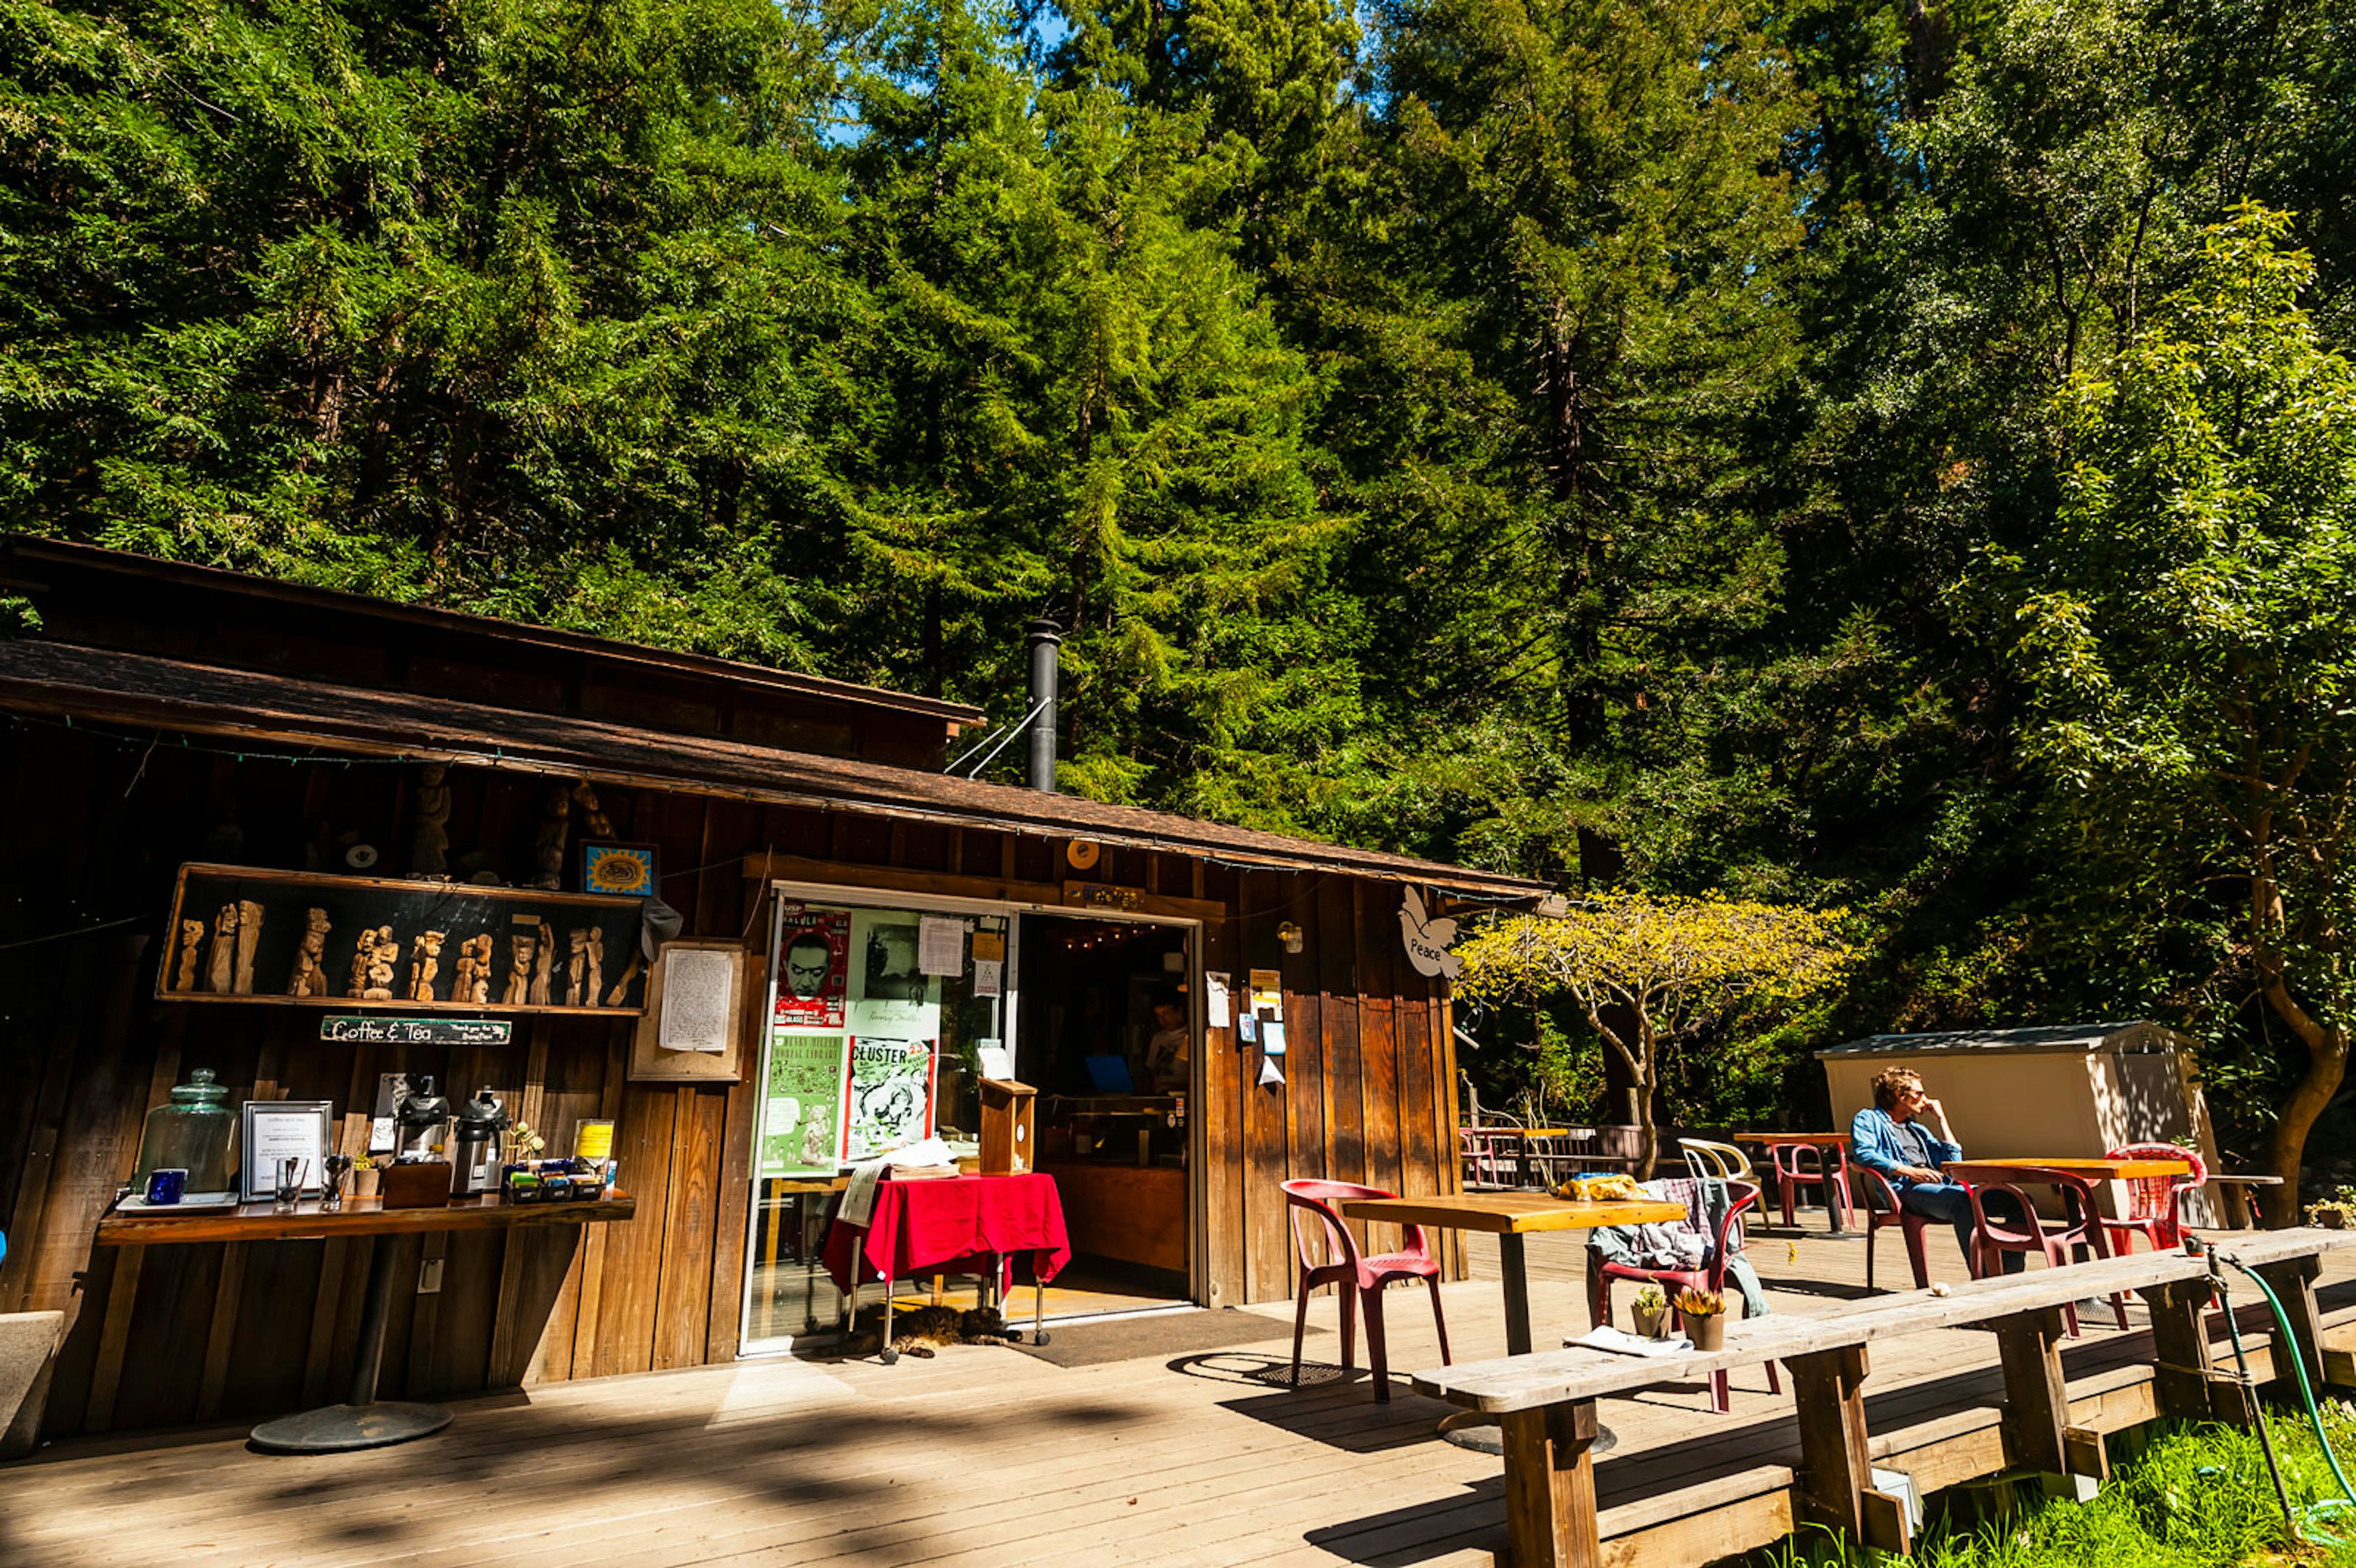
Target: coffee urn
{"type": "Point", "coordinates": [481, 1120]}
{"type": "Point", "coordinates": [420, 1117]}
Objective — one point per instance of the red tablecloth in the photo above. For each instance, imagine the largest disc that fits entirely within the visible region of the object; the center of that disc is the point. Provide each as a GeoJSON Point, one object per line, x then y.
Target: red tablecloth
{"type": "Point", "coordinates": [953, 1225]}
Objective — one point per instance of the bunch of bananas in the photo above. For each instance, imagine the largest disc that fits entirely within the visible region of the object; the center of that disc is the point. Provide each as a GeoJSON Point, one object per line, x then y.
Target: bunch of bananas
{"type": "Point", "coordinates": [1599, 1189]}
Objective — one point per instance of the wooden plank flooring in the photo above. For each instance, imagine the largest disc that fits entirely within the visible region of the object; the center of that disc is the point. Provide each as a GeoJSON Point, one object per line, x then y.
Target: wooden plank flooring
{"type": "Point", "coordinates": [986, 1454]}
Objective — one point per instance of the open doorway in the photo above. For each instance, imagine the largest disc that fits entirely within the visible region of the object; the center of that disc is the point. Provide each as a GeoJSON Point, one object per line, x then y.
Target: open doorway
{"type": "Point", "coordinates": [1107, 1032]}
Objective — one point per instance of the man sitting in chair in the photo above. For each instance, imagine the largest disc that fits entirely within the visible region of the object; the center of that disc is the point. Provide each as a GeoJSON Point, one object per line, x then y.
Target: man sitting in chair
{"type": "Point", "coordinates": [1890, 1137]}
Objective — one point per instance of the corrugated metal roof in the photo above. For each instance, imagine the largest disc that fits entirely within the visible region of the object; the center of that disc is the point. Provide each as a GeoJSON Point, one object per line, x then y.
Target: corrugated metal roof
{"type": "Point", "coordinates": [2129, 1036]}
{"type": "Point", "coordinates": [138, 690]}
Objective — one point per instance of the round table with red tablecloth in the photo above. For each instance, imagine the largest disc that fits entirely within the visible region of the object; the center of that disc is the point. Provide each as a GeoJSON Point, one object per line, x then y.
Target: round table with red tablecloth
{"type": "Point", "coordinates": [963, 1224]}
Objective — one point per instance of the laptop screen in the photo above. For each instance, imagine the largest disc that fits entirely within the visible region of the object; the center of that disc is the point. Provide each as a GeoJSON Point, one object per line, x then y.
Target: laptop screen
{"type": "Point", "coordinates": [1111, 1075]}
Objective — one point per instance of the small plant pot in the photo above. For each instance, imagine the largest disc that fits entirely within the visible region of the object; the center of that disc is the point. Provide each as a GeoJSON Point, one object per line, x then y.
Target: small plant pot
{"type": "Point", "coordinates": [366, 1183]}
{"type": "Point", "coordinates": [1708, 1333]}
{"type": "Point", "coordinates": [1649, 1325]}
{"type": "Point", "coordinates": [2330, 1218]}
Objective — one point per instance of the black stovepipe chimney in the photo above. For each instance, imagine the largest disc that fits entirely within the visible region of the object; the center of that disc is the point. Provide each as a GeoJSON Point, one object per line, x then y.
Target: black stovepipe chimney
{"type": "Point", "coordinates": [1046, 639]}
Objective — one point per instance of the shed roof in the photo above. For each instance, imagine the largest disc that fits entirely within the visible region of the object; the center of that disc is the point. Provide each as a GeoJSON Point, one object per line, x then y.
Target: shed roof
{"type": "Point", "coordinates": [138, 690]}
{"type": "Point", "coordinates": [2140, 1035]}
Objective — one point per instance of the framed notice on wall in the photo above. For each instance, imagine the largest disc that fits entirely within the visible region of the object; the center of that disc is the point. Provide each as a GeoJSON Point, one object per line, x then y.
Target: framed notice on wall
{"type": "Point", "coordinates": [694, 1022]}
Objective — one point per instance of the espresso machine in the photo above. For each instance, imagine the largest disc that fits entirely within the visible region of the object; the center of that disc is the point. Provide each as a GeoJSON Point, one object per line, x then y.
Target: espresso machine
{"type": "Point", "coordinates": [481, 1120]}
{"type": "Point", "coordinates": [421, 1120]}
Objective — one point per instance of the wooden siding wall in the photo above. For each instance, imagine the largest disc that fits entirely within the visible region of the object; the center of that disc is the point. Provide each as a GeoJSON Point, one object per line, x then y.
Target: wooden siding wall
{"type": "Point", "coordinates": [96, 830]}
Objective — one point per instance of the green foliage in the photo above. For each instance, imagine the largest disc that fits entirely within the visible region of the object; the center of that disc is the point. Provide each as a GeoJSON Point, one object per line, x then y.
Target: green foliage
{"type": "Point", "coordinates": [1545, 433]}
{"type": "Point", "coordinates": [2198, 1496]}
{"type": "Point", "coordinates": [2182, 630]}
{"type": "Point", "coordinates": [1672, 967]}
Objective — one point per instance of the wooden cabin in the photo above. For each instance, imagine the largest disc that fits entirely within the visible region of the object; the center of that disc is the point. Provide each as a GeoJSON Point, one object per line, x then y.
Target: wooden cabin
{"type": "Point", "coordinates": [183, 743]}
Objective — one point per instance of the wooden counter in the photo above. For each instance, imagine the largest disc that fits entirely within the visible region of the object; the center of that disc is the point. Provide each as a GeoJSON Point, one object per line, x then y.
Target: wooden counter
{"type": "Point", "coordinates": [1136, 1213]}
{"type": "Point", "coordinates": [359, 1217]}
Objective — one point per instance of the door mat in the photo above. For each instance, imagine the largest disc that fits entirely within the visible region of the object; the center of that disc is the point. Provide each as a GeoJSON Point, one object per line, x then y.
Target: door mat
{"type": "Point", "coordinates": [1163, 1334]}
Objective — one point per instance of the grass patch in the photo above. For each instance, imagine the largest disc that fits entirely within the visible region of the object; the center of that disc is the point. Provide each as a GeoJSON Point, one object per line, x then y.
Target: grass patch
{"type": "Point", "coordinates": [2187, 1496]}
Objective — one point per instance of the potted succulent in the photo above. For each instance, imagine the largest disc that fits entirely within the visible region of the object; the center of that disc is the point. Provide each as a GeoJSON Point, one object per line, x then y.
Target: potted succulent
{"type": "Point", "coordinates": [1651, 1312]}
{"type": "Point", "coordinates": [366, 1177]}
{"type": "Point", "coordinates": [1705, 1314]}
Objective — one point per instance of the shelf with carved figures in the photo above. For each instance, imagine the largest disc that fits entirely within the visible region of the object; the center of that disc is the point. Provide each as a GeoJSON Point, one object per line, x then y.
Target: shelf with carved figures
{"type": "Point", "coordinates": [248, 934]}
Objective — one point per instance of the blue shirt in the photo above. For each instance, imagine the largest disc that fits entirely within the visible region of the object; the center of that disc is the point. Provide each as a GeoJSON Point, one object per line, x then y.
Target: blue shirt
{"type": "Point", "coordinates": [1880, 1142]}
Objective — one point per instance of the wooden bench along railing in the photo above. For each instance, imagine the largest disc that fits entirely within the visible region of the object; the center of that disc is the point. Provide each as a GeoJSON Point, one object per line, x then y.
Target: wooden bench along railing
{"type": "Point", "coordinates": [1546, 1401]}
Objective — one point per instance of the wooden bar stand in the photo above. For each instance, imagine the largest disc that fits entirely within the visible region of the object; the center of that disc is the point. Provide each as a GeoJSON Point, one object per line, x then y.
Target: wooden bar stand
{"type": "Point", "coordinates": [363, 1420]}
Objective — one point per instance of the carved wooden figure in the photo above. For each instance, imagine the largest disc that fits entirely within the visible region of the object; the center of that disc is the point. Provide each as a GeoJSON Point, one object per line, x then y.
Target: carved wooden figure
{"type": "Point", "coordinates": [429, 839]}
{"type": "Point", "coordinates": [622, 986]}
{"type": "Point", "coordinates": [478, 990]}
{"type": "Point", "coordinates": [249, 937]}
{"type": "Point", "coordinates": [310, 976]}
{"type": "Point", "coordinates": [548, 850]}
{"type": "Point", "coordinates": [595, 979]}
{"type": "Point", "coordinates": [519, 951]}
{"type": "Point", "coordinates": [384, 956]}
{"type": "Point", "coordinates": [576, 961]}
{"type": "Point", "coordinates": [361, 952]}
{"type": "Point", "coordinates": [594, 819]}
{"type": "Point", "coordinates": [461, 982]}
{"type": "Point", "coordinates": [424, 963]}
{"type": "Point", "coordinates": [220, 962]}
{"type": "Point", "coordinates": [543, 963]}
{"type": "Point", "coordinates": [192, 940]}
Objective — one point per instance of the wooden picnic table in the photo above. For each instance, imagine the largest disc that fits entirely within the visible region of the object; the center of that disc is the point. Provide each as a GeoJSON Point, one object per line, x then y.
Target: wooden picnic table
{"type": "Point", "coordinates": [1510, 1216]}
{"type": "Point", "coordinates": [2100, 1169]}
{"type": "Point", "coordinates": [1523, 1137]}
{"type": "Point", "coordinates": [1838, 1142]}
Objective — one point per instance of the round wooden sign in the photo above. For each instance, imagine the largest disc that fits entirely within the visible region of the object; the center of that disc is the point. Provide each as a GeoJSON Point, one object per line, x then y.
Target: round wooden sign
{"type": "Point", "coordinates": [1082, 853]}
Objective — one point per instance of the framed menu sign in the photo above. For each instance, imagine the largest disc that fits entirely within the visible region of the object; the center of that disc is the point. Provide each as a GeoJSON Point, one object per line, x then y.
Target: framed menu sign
{"type": "Point", "coordinates": [278, 1130]}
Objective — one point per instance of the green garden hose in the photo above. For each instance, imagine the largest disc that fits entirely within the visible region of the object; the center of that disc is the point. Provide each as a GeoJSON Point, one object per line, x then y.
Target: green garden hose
{"type": "Point", "coordinates": [2302, 1519]}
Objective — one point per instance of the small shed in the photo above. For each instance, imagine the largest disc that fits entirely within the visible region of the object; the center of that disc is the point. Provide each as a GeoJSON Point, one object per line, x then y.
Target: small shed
{"type": "Point", "coordinates": [2061, 1089]}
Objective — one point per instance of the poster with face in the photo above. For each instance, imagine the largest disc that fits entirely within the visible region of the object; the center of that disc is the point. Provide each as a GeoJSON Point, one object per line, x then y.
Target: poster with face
{"type": "Point", "coordinates": [813, 967]}
{"type": "Point", "coordinates": [888, 1096]}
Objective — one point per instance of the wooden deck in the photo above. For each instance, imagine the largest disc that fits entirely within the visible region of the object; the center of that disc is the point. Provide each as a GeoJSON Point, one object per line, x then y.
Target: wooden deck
{"type": "Point", "coordinates": [986, 1454]}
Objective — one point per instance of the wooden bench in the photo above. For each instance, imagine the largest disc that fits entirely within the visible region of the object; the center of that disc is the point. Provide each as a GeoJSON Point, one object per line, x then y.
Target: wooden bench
{"type": "Point", "coordinates": [1546, 1401]}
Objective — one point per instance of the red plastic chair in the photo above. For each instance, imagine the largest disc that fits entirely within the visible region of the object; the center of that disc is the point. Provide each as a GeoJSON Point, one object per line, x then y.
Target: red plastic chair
{"type": "Point", "coordinates": [1882, 1210]}
{"type": "Point", "coordinates": [2155, 1203]}
{"type": "Point", "coordinates": [1710, 1276]}
{"type": "Point", "coordinates": [1333, 1258]}
{"type": "Point", "coordinates": [1798, 1165]}
{"type": "Point", "coordinates": [2081, 1225]}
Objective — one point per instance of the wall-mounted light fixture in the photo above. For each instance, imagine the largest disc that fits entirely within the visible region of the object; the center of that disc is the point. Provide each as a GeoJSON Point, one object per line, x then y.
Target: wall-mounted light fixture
{"type": "Point", "coordinates": [1288, 935]}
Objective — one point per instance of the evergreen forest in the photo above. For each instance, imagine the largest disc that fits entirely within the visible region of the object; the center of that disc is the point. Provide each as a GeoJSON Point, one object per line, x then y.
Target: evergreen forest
{"type": "Point", "coordinates": [1871, 456]}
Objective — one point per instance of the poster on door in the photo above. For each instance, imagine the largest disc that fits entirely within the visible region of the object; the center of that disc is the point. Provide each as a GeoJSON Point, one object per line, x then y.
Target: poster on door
{"type": "Point", "coordinates": [813, 967]}
{"type": "Point", "coordinates": [888, 1096]}
{"type": "Point", "coordinates": [801, 1104]}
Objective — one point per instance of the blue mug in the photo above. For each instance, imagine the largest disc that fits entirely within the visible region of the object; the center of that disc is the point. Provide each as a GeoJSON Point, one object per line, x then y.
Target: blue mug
{"type": "Point", "coordinates": [167, 1184]}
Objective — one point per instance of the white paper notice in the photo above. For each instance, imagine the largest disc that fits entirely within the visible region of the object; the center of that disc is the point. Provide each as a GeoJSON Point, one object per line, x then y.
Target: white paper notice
{"type": "Point", "coordinates": [1214, 988]}
{"type": "Point", "coordinates": [698, 984]}
{"type": "Point", "coordinates": [940, 945]}
{"type": "Point", "coordinates": [997, 1062]}
{"type": "Point", "coordinates": [1270, 1074]}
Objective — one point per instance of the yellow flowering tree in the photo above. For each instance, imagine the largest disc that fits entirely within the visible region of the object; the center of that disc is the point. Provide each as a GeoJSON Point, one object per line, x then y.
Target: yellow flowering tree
{"type": "Point", "coordinates": [1652, 973]}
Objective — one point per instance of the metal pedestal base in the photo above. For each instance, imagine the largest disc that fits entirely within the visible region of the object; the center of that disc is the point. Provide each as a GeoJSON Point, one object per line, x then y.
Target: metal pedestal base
{"type": "Point", "coordinates": [360, 1422]}
{"type": "Point", "coordinates": [1478, 1431]}
{"type": "Point", "coordinates": [340, 1428]}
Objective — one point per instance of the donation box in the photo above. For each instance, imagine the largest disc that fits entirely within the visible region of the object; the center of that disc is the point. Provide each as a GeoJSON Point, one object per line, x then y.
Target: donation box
{"type": "Point", "coordinates": [1008, 1146]}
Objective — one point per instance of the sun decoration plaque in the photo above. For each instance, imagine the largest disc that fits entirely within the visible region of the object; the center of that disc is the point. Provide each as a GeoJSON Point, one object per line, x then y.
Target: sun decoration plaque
{"type": "Point", "coordinates": [625, 870]}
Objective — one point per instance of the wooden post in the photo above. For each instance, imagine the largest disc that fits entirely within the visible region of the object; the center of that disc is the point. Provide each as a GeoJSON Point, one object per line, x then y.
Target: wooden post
{"type": "Point", "coordinates": [2036, 1403]}
{"type": "Point", "coordinates": [2293, 1280]}
{"type": "Point", "coordinates": [1550, 1487]}
{"type": "Point", "coordinates": [2184, 1375]}
{"type": "Point", "coordinates": [1836, 1471]}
